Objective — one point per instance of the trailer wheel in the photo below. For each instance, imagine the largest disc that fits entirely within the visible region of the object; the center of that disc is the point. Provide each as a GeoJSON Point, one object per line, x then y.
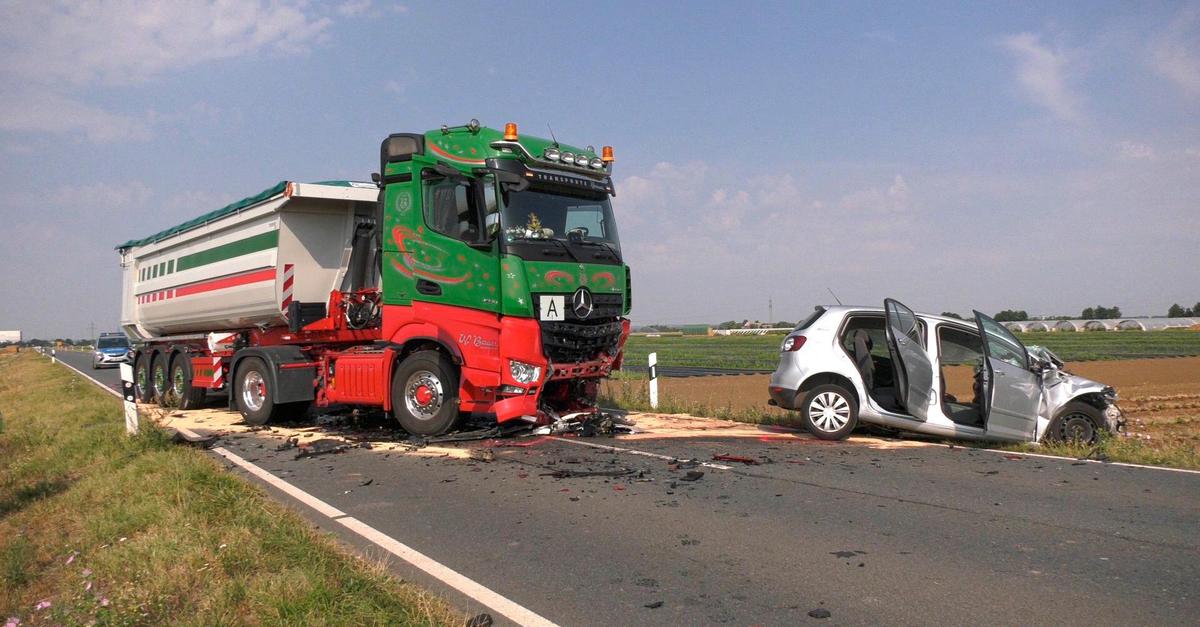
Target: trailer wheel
{"type": "Point", "coordinates": [159, 382]}
{"type": "Point", "coordinates": [425, 393]}
{"type": "Point", "coordinates": [189, 396]}
{"type": "Point", "coordinates": [142, 390]}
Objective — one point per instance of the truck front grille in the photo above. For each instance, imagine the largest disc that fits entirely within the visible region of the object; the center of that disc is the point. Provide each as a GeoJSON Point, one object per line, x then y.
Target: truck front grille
{"type": "Point", "coordinates": [575, 340]}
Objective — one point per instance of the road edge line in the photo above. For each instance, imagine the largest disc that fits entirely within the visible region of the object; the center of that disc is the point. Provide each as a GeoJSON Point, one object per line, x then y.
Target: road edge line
{"type": "Point", "coordinates": [465, 585]}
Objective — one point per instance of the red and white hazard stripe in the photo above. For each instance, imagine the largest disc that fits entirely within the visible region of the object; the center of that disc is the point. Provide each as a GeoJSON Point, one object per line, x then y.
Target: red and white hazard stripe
{"type": "Point", "coordinates": [288, 280]}
{"type": "Point", "coordinates": [218, 375]}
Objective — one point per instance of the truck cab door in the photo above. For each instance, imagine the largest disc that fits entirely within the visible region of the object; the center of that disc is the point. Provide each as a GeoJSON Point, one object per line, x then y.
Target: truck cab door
{"type": "Point", "coordinates": [1012, 392]}
{"type": "Point", "coordinates": [914, 371]}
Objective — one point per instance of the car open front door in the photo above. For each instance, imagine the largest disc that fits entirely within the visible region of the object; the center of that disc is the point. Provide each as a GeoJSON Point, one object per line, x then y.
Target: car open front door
{"type": "Point", "coordinates": [1012, 393]}
{"type": "Point", "coordinates": [914, 373]}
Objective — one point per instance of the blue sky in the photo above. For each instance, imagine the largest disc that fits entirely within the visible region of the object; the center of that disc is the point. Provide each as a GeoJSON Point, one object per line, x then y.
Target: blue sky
{"type": "Point", "coordinates": [951, 155]}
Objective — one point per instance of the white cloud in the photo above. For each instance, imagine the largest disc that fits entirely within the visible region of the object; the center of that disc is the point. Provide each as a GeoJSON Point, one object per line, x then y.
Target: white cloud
{"type": "Point", "coordinates": [1042, 75]}
{"type": "Point", "coordinates": [351, 8]}
{"type": "Point", "coordinates": [52, 52]}
{"type": "Point", "coordinates": [1175, 54]}
{"type": "Point", "coordinates": [1135, 151]}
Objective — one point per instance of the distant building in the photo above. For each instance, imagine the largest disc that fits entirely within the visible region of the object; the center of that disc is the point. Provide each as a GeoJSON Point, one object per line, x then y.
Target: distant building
{"type": "Point", "coordinates": [10, 336]}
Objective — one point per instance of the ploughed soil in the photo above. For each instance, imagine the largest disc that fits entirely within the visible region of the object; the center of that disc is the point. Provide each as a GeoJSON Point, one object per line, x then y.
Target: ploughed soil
{"type": "Point", "coordinates": [1160, 397]}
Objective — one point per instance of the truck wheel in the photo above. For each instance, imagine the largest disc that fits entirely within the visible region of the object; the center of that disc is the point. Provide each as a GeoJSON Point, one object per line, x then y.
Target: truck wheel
{"type": "Point", "coordinates": [158, 378]}
{"type": "Point", "coordinates": [252, 394]}
{"type": "Point", "coordinates": [425, 393]}
{"type": "Point", "coordinates": [829, 412]}
{"type": "Point", "coordinates": [190, 397]}
{"type": "Point", "coordinates": [142, 390]}
{"type": "Point", "coordinates": [1077, 423]}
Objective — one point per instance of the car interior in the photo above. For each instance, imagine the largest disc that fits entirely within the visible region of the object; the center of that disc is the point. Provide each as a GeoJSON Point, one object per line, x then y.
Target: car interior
{"type": "Point", "coordinates": [864, 340]}
{"type": "Point", "coordinates": [961, 370]}
{"type": "Point", "coordinates": [961, 362]}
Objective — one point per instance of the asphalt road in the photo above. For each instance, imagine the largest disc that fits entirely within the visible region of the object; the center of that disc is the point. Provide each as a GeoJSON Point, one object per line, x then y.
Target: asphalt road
{"type": "Point", "coordinates": [903, 536]}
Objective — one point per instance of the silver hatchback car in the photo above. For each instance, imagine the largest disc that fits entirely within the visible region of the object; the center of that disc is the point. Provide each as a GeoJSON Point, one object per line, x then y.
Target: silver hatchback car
{"type": "Point", "coordinates": [930, 374]}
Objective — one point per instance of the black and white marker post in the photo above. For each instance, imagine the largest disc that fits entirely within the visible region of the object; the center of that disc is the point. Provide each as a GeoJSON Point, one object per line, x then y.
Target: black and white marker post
{"type": "Point", "coordinates": [654, 380]}
{"type": "Point", "coordinates": [131, 414]}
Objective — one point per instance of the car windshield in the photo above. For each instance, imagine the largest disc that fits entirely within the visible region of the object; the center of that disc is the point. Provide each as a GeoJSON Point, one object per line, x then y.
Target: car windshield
{"type": "Point", "coordinates": [112, 342]}
{"type": "Point", "coordinates": [533, 215]}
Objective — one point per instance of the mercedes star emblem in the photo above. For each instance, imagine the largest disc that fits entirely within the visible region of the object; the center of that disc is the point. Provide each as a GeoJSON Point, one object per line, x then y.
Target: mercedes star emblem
{"type": "Point", "coordinates": [581, 303]}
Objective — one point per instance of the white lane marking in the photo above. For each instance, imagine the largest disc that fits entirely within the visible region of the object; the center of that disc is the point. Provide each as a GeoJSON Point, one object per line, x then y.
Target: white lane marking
{"type": "Point", "coordinates": [513, 611]}
{"type": "Point", "coordinates": [1090, 461]}
{"type": "Point", "coordinates": [102, 385]}
{"type": "Point", "coordinates": [287, 488]}
{"type": "Point", "coordinates": [480, 593]}
{"type": "Point", "coordinates": [633, 451]}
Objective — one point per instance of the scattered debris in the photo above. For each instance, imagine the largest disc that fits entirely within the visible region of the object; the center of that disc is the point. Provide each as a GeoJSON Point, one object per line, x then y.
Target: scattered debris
{"type": "Point", "coordinates": [482, 455]}
{"type": "Point", "coordinates": [653, 606]}
{"type": "Point", "coordinates": [324, 446]}
{"type": "Point", "coordinates": [692, 475]}
{"type": "Point", "coordinates": [290, 443]}
{"type": "Point", "coordinates": [820, 612]}
{"type": "Point", "coordinates": [749, 461]}
{"type": "Point", "coordinates": [586, 424]}
{"type": "Point", "coordinates": [366, 482]}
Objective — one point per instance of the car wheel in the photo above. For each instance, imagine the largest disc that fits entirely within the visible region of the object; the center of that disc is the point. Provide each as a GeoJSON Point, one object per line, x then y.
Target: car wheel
{"type": "Point", "coordinates": [425, 393]}
{"type": "Point", "coordinates": [829, 412]}
{"type": "Point", "coordinates": [190, 397]}
{"type": "Point", "coordinates": [1077, 423]}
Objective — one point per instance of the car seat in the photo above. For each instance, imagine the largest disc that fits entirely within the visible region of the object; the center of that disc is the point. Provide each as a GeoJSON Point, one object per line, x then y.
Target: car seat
{"type": "Point", "coordinates": [862, 358]}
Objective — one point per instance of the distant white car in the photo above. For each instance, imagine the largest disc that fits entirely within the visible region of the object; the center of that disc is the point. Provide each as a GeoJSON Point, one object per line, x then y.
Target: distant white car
{"type": "Point", "coordinates": [935, 375]}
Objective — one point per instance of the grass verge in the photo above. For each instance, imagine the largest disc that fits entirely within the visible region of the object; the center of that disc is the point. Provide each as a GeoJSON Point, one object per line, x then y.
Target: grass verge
{"type": "Point", "coordinates": [98, 527]}
{"type": "Point", "coordinates": [1172, 441]}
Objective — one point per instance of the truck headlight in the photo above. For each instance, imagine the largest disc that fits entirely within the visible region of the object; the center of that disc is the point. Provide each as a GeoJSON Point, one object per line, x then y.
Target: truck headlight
{"type": "Point", "coordinates": [522, 372]}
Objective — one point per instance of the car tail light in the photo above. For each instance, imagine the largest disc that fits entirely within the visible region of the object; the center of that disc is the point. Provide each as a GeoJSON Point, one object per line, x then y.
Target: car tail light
{"type": "Point", "coordinates": [792, 343]}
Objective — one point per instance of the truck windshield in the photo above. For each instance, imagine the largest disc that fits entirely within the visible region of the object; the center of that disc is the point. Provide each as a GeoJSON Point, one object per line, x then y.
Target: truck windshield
{"type": "Point", "coordinates": [531, 215]}
{"type": "Point", "coordinates": [112, 342]}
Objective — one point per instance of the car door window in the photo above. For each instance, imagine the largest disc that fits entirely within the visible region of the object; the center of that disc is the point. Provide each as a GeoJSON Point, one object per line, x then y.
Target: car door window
{"type": "Point", "coordinates": [1003, 345]}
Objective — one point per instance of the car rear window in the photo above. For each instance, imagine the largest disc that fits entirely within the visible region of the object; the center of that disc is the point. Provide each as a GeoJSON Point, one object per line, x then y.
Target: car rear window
{"type": "Point", "coordinates": [807, 322]}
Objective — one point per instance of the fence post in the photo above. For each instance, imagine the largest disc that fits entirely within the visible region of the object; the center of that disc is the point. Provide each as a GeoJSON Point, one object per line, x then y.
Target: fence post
{"type": "Point", "coordinates": [654, 380]}
{"type": "Point", "coordinates": [131, 413]}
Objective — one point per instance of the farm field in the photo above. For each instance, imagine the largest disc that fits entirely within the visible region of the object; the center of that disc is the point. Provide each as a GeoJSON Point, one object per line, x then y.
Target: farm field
{"type": "Point", "coordinates": [761, 351]}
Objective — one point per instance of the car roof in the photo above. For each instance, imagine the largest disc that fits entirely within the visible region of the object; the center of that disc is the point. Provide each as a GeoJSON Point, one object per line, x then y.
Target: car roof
{"type": "Point", "coordinates": [842, 310]}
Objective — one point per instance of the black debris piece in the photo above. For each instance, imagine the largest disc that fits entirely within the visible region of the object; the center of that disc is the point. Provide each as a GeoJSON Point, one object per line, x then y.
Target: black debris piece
{"type": "Point", "coordinates": [481, 620]}
{"type": "Point", "coordinates": [366, 482]}
{"type": "Point", "coordinates": [654, 606]}
{"type": "Point", "coordinates": [820, 612]}
{"type": "Point", "coordinates": [324, 446]}
{"type": "Point", "coordinates": [749, 461]}
{"type": "Point", "coordinates": [193, 439]}
{"type": "Point", "coordinates": [568, 474]}
{"type": "Point", "coordinates": [692, 475]}
{"type": "Point", "coordinates": [290, 443]}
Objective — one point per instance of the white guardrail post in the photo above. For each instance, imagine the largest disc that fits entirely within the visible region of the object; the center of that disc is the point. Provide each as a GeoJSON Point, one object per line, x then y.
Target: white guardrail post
{"type": "Point", "coordinates": [654, 380]}
{"type": "Point", "coordinates": [131, 413]}
{"type": "Point", "coordinates": [53, 358]}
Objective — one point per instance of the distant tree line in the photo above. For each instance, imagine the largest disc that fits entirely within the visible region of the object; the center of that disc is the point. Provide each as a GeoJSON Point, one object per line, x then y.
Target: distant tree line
{"type": "Point", "coordinates": [1101, 313]}
{"type": "Point", "coordinates": [1179, 312]}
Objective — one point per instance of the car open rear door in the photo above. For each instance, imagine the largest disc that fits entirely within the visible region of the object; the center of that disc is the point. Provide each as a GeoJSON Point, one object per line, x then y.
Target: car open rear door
{"type": "Point", "coordinates": [914, 373]}
{"type": "Point", "coordinates": [1012, 393]}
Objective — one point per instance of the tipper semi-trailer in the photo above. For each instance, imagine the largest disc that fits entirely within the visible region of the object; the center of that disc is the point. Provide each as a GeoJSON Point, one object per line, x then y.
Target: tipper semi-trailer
{"type": "Point", "coordinates": [479, 273]}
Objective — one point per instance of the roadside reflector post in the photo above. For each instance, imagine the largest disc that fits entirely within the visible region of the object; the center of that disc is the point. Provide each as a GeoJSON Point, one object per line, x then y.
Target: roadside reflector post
{"type": "Point", "coordinates": [131, 413]}
{"type": "Point", "coordinates": [654, 380]}
{"type": "Point", "coordinates": [53, 356]}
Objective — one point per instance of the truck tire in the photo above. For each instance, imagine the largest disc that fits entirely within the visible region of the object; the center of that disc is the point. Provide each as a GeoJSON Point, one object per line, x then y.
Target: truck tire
{"type": "Point", "coordinates": [1077, 422]}
{"type": "Point", "coordinates": [142, 390]}
{"type": "Point", "coordinates": [425, 393]}
{"type": "Point", "coordinates": [829, 412]}
{"type": "Point", "coordinates": [252, 393]}
{"type": "Point", "coordinates": [159, 381]}
{"type": "Point", "coordinates": [189, 396]}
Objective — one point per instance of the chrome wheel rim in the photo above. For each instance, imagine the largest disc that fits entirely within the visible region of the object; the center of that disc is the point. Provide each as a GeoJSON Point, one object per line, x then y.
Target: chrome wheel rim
{"type": "Point", "coordinates": [829, 412]}
{"type": "Point", "coordinates": [423, 395]}
{"type": "Point", "coordinates": [160, 380]}
{"type": "Point", "coordinates": [177, 381]}
{"type": "Point", "coordinates": [254, 391]}
{"type": "Point", "coordinates": [141, 380]}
